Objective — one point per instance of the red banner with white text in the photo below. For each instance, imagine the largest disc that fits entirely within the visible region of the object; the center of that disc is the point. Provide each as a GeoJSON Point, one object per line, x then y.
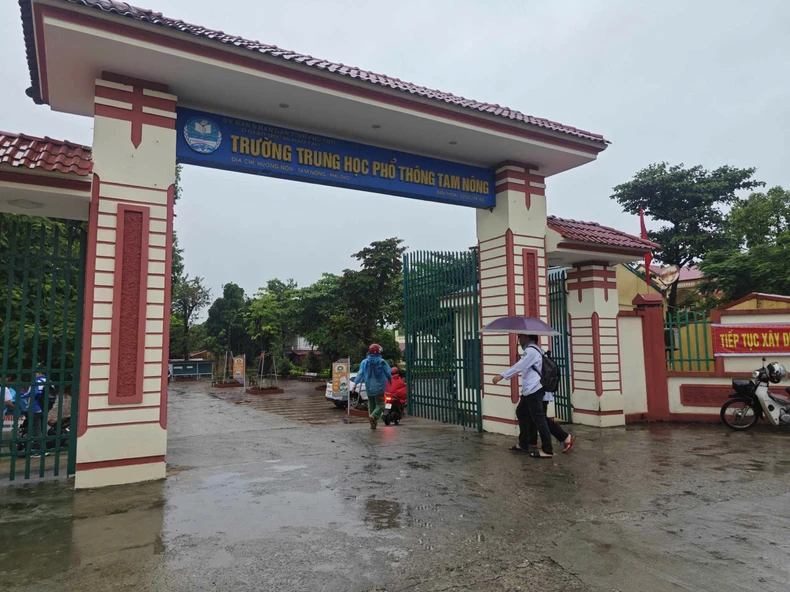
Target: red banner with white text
{"type": "Point", "coordinates": [751, 340]}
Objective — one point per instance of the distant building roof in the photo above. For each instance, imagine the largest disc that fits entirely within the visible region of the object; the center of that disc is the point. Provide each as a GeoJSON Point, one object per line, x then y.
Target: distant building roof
{"type": "Point", "coordinates": [689, 273]}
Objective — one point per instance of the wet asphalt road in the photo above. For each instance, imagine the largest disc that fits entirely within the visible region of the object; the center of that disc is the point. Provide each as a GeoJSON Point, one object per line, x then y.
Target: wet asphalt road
{"type": "Point", "coordinates": [258, 499]}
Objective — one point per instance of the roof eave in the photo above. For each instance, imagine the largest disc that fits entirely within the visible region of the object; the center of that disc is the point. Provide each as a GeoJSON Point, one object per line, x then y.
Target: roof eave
{"type": "Point", "coordinates": [34, 91]}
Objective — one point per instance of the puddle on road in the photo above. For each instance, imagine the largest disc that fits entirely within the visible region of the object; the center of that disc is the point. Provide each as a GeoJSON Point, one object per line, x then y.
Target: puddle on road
{"type": "Point", "coordinates": [234, 507]}
{"type": "Point", "coordinates": [382, 514]}
{"type": "Point", "coordinates": [288, 468]}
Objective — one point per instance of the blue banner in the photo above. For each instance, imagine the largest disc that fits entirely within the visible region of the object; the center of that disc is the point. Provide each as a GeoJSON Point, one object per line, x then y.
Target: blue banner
{"type": "Point", "coordinates": [223, 142]}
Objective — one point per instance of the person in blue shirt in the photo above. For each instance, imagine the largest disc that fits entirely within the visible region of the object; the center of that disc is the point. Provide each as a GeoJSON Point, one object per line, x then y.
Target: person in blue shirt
{"type": "Point", "coordinates": [38, 406]}
{"type": "Point", "coordinates": [376, 374]}
{"type": "Point", "coordinates": [9, 398]}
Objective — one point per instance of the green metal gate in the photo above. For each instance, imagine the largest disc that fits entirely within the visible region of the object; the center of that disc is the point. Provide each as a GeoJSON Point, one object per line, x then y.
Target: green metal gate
{"type": "Point", "coordinates": [443, 365]}
{"type": "Point", "coordinates": [560, 344]}
{"type": "Point", "coordinates": [42, 279]}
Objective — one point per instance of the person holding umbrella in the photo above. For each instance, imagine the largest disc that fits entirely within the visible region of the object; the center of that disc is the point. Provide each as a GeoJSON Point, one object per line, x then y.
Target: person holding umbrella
{"type": "Point", "coordinates": [530, 406]}
{"type": "Point", "coordinates": [531, 409]}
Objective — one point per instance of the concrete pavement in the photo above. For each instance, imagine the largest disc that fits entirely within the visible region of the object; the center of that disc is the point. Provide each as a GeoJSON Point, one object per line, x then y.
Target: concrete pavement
{"type": "Point", "coordinates": [256, 500]}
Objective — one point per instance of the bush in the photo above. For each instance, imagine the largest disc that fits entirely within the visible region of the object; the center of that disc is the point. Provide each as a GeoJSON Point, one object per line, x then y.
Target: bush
{"type": "Point", "coordinates": [284, 367]}
{"type": "Point", "coordinates": [312, 363]}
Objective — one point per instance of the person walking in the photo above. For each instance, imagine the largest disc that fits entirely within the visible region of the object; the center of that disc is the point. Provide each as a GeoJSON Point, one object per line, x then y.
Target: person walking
{"type": "Point", "coordinates": [36, 393]}
{"type": "Point", "coordinates": [375, 373]}
{"type": "Point", "coordinates": [556, 430]}
{"type": "Point", "coordinates": [530, 407]}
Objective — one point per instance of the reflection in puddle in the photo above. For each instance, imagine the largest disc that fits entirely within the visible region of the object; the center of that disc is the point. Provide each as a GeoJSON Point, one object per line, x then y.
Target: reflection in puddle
{"type": "Point", "coordinates": [382, 514]}
{"type": "Point", "coordinates": [288, 468]}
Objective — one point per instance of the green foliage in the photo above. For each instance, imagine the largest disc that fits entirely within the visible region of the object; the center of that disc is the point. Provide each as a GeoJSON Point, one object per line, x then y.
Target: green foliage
{"type": "Point", "coordinates": [754, 258]}
{"type": "Point", "coordinates": [386, 339]}
{"type": "Point", "coordinates": [341, 314]}
{"type": "Point", "coordinates": [312, 363]}
{"type": "Point", "coordinates": [759, 219]}
{"type": "Point", "coordinates": [227, 322]}
{"type": "Point", "coordinates": [189, 297]}
{"type": "Point", "coordinates": [270, 319]}
{"type": "Point", "coordinates": [689, 200]}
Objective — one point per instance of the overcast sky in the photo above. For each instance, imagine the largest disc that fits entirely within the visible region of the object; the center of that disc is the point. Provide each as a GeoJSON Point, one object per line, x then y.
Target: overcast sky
{"type": "Point", "coordinates": [703, 82]}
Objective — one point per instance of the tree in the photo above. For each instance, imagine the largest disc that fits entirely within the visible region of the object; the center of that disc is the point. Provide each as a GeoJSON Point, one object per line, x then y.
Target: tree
{"type": "Point", "coordinates": [342, 314]}
{"type": "Point", "coordinates": [226, 321]}
{"type": "Point", "coordinates": [759, 219]}
{"type": "Point", "coordinates": [690, 201]}
{"type": "Point", "coordinates": [270, 319]}
{"type": "Point", "coordinates": [189, 297]}
{"type": "Point", "coordinates": [755, 256]}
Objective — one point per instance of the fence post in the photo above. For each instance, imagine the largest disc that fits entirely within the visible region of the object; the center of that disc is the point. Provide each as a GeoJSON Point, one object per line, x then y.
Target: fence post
{"type": "Point", "coordinates": [650, 308]}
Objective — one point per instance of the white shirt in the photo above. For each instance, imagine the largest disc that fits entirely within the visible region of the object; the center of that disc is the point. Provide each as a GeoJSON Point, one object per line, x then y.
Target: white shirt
{"type": "Point", "coordinates": [529, 366]}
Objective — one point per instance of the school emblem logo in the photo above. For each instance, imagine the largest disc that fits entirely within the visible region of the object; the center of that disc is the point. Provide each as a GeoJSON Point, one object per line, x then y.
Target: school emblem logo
{"type": "Point", "coordinates": [202, 135]}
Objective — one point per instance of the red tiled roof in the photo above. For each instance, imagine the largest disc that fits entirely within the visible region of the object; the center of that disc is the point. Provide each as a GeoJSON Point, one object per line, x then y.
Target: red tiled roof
{"type": "Point", "coordinates": [594, 233]}
{"type": "Point", "coordinates": [156, 18]}
{"type": "Point", "coordinates": [687, 274]}
{"type": "Point", "coordinates": [45, 153]}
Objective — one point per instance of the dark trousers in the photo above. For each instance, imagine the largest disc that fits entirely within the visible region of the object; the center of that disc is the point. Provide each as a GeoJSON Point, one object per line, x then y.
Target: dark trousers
{"type": "Point", "coordinates": [530, 411]}
{"type": "Point", "coordinates": [38, 429]}
{"type": "Point", "coordinates": [555, 428]}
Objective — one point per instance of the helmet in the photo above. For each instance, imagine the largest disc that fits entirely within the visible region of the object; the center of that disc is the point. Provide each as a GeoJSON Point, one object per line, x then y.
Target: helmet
{"type": "Point", "coordinates": [375, 349]}
{"type": "Point", "coordinates": [395, 370]}
{"type": "Point", "coordinates": [776, 372]}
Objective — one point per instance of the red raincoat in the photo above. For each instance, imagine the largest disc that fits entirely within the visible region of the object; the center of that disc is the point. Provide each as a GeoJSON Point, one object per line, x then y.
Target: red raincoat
{"type": "Point", "coordinates": [397, 388]}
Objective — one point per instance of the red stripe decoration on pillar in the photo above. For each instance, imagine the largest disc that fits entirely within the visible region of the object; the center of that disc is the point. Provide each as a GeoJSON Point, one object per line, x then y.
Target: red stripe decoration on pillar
{"type": "Point", "coordinates": [596, 345]}
{"type": "Point", "coordinates": [129, 305]}
{"type": "Point", "coordinates": [510, 267]}
{"type": "Point", "coordinates": [531, 283]}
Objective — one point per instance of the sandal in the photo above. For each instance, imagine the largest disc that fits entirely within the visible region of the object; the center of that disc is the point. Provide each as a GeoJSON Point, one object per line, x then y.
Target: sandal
{"type": "Point", "coordinates": [516, 449]}
{"type": "Point", "coordinates": [537, 454]}
{"type": "Point", "coordinates": [566, 446]}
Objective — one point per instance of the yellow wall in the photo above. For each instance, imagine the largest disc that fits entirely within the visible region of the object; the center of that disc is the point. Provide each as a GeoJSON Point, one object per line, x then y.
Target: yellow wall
{"type": "Point", "coordinates": [628, 286]}
{"type": "Point", "coordinates": [758, 302]}
{"type": "Point", "coordinates": [688, 338]}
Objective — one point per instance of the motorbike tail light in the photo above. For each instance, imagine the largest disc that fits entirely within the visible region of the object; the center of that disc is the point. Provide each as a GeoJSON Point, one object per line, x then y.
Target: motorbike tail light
{"type": "Point", "coordinates": [387, 399]}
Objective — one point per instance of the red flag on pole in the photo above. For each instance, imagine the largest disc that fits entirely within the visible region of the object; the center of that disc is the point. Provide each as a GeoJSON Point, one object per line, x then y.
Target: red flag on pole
{"type": "Point", "coordinates": [648, 255]}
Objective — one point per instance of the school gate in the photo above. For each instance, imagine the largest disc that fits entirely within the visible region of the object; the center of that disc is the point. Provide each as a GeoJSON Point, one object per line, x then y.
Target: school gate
{"type": "Point", "coordinates": [145, 80]}
{"type": "Point", "coordinates": [560, 344]}
{"type": "Point", "coordinates": [42, 265]}
{"type": "Point", "coordinates": [441, 319]}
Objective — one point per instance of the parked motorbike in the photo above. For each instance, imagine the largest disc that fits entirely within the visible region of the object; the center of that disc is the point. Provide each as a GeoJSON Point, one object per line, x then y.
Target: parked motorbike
{"type": "Point", "coordinates": [393, 409]}
{"type": "Point", "coordinates": [752, 400]}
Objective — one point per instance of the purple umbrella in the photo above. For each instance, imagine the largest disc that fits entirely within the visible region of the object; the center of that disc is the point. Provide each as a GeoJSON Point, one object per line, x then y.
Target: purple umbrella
{"type": "Point", "coordinates": [526, 325]}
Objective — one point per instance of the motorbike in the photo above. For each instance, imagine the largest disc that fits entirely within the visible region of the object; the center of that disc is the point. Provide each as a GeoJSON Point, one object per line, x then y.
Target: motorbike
{"type": "Point", "coordinates": [393, 409]}
{"type": "Point", "coordinates": [752, 400]}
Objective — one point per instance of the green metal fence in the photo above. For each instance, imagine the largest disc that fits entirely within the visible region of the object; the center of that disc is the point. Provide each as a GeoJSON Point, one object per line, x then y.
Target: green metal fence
{"type": "Point", "coordinates": [688, 342]}
{"type": "Point", "coordinates": [443, 365]}
{"type": "Point", "coordinates": [41, 300]}
{"type": "Point", "coordinates": [560, 344]}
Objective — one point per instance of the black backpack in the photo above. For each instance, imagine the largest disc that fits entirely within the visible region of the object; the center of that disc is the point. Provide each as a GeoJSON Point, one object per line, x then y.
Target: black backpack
{"type": "Point", "coordinates": [550, 377]}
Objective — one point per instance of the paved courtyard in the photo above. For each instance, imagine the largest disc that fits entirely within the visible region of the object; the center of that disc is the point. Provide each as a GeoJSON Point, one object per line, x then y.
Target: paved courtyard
{"type": "Point", "coordinates": [263, 497]}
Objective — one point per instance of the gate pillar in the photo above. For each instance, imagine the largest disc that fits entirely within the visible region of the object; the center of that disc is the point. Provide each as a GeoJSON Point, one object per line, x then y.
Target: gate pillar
{"type": "Point", "coordinates": [597, 393]}
{"type": "Point", "coordinates": [513, 280]}
{"type": "Point", "coordinates": [122, 426]}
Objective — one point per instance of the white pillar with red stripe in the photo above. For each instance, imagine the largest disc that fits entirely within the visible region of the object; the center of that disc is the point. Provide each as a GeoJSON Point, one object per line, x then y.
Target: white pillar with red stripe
{"type": "Point", "coordinates": [597, 395]}
{"type": "Point", "coordinates": [513, 280]}
{"type": "Point", "coordinates": [122, 424]}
